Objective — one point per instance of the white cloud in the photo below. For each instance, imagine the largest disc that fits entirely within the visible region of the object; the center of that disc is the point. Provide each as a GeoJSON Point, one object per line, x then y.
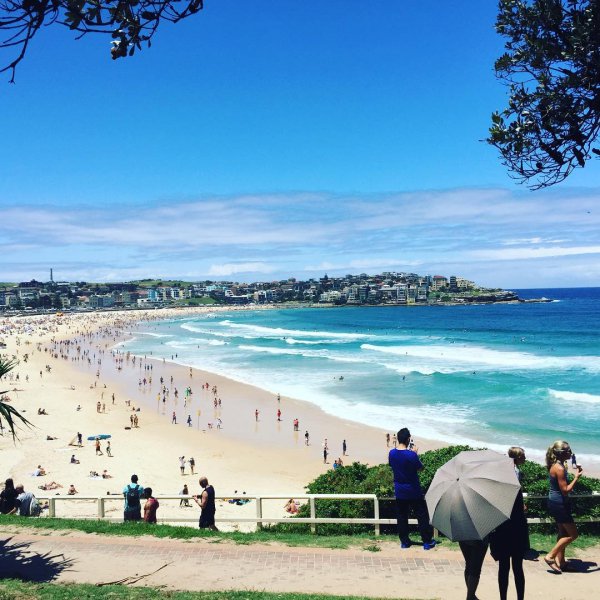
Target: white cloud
{"type": "Point", "coordinates": [533, 240]}
{"type": "Point", "coordinates": [462, 230]}
{"type": "Point", "coordinates": [527, 253]}
{"type": "Point", "coordinates": [229, 269]}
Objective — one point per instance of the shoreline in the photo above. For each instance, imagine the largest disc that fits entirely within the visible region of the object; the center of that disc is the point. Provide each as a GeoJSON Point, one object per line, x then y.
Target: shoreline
{"type": "Point", "coordinates": [256, 457]}
{"type": "Point", "coordinates": [265, 456]}
{"type": "Point", "coordinates": [432, 439]}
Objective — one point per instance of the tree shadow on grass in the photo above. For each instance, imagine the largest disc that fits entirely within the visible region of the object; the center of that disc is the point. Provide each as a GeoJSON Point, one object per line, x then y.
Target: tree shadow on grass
{"type": "Point", "coordinates": [17, 561]}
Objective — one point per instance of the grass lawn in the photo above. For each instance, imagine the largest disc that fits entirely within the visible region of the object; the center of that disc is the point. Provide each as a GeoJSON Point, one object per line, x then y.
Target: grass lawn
{"type": "Point", "coordinates": [368, 542]}
{"type": "Point", "coordinates": [13, 589]}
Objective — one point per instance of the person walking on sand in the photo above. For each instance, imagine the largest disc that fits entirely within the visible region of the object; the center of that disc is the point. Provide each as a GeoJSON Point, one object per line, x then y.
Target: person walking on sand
{"type": "Point", "coordinates": [559, 504]}
{"type": "Point", "coordinates": [108, 449]}
{"type": "Point", "coordinates": [98, 448]}
{"type": "Point", "coordinates": [79, 439]}
{"type": "Point", "coordinates": [206, 502]}
{"type": "Point", "coordinates": [279, 414]}
{"type": "Point", "coordinates": [306, 438]}
{"type": "Point", "coordinates": [256, 415]}
{"type": "Point", "coordinates": [184, 492]}
{"type": "Point", "coordinates": [344, 448]}
{"type": "Point", "coordinates": [182, 464]}
{"type": "Point", "coordinates": [192, 464]}
{"type": "Point", "coordinates": [189, 420]}
{"type": "Point", "coordinates": [174, 419]}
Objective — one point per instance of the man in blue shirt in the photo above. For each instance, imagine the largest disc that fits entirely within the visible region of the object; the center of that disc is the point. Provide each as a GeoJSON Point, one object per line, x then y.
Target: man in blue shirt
{"type": "Point", "coordinates": [406, 465]}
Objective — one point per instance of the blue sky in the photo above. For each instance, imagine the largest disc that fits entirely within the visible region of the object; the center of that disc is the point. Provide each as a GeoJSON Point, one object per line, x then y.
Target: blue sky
{"type": "Point", "coordinates": [277, 138]}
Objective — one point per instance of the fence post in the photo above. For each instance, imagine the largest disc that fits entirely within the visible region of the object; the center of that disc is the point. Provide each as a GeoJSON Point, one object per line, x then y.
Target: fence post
{"type": "Point", "coordinates": [376, 514]}
{"type": "Point", "coordinates": [51, 507]}
{"type": "Point", "coordinates": [101, 508]}
{"type": "Point", "coordinates": [259, 512]}
{"type": "Point", "coordinates": [313, 515]}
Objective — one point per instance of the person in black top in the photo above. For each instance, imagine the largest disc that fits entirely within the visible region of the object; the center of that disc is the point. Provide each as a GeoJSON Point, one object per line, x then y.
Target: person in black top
{"type": "Point", "coordinates": [510, 542]}
{"type": "Point", "coordinates": [8, 497]}
{"type": "Point", "coordinates": [206, 502]}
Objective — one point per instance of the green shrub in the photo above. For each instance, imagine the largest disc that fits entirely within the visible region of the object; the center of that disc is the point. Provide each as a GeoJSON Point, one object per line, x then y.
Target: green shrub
{"type": "Point", "coordinates": [433, 459]}
{"type": "Point", "coordinates": [358, 478]}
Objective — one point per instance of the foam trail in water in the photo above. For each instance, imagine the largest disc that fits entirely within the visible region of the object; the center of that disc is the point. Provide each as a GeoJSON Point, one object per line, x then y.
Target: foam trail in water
{"type": "Point", "coordinates": [467, 357]}
{"type": "Point", "coordinates": [280, 332]}
{"type": "Point", "coordinates": [184, 344]}
{"type": "Point", "coordinates": [574, 396]}
{"type": "Point", "coordinates": [289, 351]}
{"type": "Point", "coordinates": [152, 334]}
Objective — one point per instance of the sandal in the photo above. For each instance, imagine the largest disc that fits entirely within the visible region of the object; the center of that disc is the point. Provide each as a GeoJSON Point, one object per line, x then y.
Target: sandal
{"type": "Point", "coordinates": [551, 562]}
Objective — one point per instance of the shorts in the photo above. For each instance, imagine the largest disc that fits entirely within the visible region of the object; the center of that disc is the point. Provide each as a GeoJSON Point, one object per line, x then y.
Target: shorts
{"type": "Point", "coordinates": [133, 515]}
{"type": "Point", "coordinates": [560, 511]}
{"type": "Point", "coordinates": [207, 519]}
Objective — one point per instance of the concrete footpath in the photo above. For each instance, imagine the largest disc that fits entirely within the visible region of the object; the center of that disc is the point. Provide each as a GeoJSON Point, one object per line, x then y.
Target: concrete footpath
{"type": "Point", "coordinates": [220, 565]}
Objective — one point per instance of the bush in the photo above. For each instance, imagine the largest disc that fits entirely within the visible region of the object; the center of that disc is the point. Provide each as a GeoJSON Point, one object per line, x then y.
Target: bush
{"type": "Point", "coordinates": [358, 478]}
{"type": "Point", "coordinates": [433, 459]}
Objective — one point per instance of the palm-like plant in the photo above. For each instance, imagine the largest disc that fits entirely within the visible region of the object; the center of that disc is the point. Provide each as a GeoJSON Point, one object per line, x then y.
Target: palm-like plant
{"type": "Point", "coordinates": [7, 412]}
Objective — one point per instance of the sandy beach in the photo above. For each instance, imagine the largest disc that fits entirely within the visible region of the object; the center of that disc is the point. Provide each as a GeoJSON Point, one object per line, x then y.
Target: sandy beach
{"type": "Point", "coordinates": [66, 367]}
{"type": "Point", "coordinates": [70, 366]}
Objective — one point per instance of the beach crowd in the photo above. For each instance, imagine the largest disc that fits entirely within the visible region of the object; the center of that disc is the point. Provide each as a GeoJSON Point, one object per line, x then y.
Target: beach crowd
{"type": "Point", "coordinates": [179, 398]}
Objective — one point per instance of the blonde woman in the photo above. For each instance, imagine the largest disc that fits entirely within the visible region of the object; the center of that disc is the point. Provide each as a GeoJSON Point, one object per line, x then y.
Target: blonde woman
{"type": "Point", "coordinates": [559, 505]}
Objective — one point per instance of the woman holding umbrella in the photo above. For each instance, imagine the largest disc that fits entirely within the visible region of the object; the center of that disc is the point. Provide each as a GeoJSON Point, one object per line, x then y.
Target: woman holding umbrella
{"type": "Point", "coordinates": [559, 505]}
{"type": "Point", "coordinates": [469, 497]}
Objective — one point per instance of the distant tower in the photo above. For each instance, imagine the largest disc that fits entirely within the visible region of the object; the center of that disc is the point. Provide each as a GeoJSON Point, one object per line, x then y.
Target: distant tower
{"type": "Point", "coordinates": [51, 277]}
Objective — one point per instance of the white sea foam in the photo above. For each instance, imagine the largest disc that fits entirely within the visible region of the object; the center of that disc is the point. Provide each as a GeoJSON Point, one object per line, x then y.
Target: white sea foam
{"type": "Point", "coordinates": [457, 357]}
{"type": "Point", "coordinates": [293, 341]}
{"type": "Point", "coordinates": [413, 368]}
{"type": "Point", "coordinates": [574, 396]}
{"type": "Point", "coordinates": [152, 334]}
{"type": "Point", "coordinates": [186, 344]}
{"type": "Point", "coordinates": [223, 334]}
{"type": "Point", "coordinates": [279, 332]}
{"type": "Point", "coordinates": [288, 351]}
{"type": "Point", "coordinates": [322, 353]}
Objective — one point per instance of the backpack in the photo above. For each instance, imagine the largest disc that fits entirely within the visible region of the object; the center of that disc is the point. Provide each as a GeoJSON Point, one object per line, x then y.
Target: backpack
{"type": "Point", "coordinates": [133, 497]}
{"type": "Point", "coordinates": [35, 508]}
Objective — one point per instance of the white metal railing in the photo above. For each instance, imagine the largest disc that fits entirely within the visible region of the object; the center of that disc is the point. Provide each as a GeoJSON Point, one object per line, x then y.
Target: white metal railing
{"type": "Point", "coordinates": [260, 519]}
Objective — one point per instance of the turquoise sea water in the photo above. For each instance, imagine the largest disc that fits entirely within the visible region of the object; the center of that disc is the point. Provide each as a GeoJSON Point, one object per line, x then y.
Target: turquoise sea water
{"type": "Point", "coordinates": [497, 375]}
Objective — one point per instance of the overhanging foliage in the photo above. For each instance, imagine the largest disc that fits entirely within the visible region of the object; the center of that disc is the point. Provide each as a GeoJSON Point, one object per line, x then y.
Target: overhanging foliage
{"type": "Point", "coordinates": [130, 23]}
{"type": "Point", "coordinates": [552, 70]}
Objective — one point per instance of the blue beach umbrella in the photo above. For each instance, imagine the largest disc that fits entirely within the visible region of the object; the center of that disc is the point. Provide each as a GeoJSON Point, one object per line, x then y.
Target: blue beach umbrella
{"type": "Point", "coordinates": [100, 436]}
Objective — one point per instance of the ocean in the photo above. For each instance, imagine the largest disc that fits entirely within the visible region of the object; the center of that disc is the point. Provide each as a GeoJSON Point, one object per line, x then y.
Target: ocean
{"type": "Point", "coordinates": [485, 375]}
